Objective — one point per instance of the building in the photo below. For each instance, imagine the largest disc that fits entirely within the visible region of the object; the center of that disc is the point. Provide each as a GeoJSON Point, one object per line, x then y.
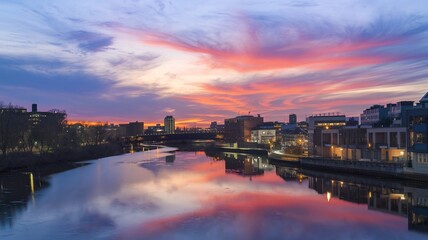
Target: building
{"type": "Point", "coordinates": [417, 120]}
{"type": "Point", "coordinates": [135, 128]}
{"type": "Point", "coordinates": [37, 117]}
{"type": "Point", "coordinates": [396, 112]}
{"type": "Point", "coordinates": [295, 141]}
{"type": "Point", "coordinates": [418, 209]}
{"type": "Point", "coordinates": [131, 129]}
{"type": "Point", "coordinates": [217, 127]}
{"type": "Point", "coordinates": [352, 121]}
{"type": "Point", "coordinates": [374, 114]}
{"type": "Point", "coordinates": [387, 144]}
{"type": "Point", "coordinates": [263, 136]}
{"type": "Point", "coordinates": [352, 143]}
{"type": "Point", "coordinates": [169, 123]}
{"type": "Point", "coordinates": [12, 109]}
{"type": "Point", "coordinates": [238, 129]}
{"type": "Point", "coordinates": [364, 142]}
{"type": "Point", "coordinates": [292, 119]}
{"type": "Point", "coordinates": [157, 129]}
{"type": "Point", "coordinates": [316, 124]}
{"type": "Point", "coordinates": [244, 165]}
{"type": "Point", "coordinates": [391, 115]}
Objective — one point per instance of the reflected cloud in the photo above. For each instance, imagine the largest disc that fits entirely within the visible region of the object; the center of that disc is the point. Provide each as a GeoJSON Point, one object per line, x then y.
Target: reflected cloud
{"type": "Point", "coordinates": [91, 221]}
{"type": "Point", "coordinates": [195, 198]}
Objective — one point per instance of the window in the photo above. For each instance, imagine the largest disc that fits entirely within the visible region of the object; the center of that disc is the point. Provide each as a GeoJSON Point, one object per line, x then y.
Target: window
{"type": "Point", "coordinates": [420, 138]}
{"type": "Point", "coordinates": [422, 158]}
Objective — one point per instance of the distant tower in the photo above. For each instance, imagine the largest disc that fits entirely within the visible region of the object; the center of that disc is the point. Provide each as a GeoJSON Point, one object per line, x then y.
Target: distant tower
{"type": "Point", "coordinates": [169, 123]}
{"type": "Point", "coordinates": [34, 108]}
{"type": "Point", "coordinates": [292, 119]}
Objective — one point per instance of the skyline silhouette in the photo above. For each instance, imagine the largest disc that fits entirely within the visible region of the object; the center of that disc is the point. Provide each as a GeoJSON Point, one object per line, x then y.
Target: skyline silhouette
{"type": "Point", "coordinates": [122, 61]}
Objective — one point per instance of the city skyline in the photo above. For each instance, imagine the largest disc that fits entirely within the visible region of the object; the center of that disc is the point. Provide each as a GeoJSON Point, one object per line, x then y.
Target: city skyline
{"type": "Point", "coordinates": [122, 61]}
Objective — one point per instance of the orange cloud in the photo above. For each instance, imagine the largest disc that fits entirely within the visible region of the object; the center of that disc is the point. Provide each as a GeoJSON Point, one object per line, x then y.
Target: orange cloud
{"type": "Point", "coordinates": [253, 55]}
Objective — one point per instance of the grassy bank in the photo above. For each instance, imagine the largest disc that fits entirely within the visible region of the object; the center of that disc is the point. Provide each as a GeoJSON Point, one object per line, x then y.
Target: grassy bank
{"type": "Point", "coordinates": [64, 156]}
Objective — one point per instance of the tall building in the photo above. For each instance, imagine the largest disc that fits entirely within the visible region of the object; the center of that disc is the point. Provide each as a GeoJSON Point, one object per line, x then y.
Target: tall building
{"type": "Point", "coordinates": [238, 129]}
{"type": "Point", "coordinates": [292, 119]}
{"type": "Point", "coordinates": [135, 128]}
{"type": "Point", "coordinates": [169, 123]}
{"type": "Point", "coordinates": [131, 129]}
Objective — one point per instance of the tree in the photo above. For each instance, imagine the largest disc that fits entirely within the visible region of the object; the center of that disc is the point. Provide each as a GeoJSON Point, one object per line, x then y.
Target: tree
{"type": "Point", "coordinates": [13, 125]}
{"type": "Point", "coordinates": [96, 135]}
{"type": "Point", "coordinates": [48, 129]}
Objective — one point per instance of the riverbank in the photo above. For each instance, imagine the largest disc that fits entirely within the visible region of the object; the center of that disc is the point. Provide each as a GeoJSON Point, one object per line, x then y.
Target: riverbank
{"type": "Point", "coordinates": [375, 169]}
{"type": "Point", "coordinates": [65, 157]}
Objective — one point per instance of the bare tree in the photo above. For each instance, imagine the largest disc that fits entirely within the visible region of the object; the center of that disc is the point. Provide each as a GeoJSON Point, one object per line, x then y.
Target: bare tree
{"type": "Point", "coordinates": [13, 125]}
{"type": "Point", "coordinates": [48, 130]}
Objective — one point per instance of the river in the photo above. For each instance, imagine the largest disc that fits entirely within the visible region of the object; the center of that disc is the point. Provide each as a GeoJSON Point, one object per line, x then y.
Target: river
{"type": "Point", "coordinates": [189, 195]}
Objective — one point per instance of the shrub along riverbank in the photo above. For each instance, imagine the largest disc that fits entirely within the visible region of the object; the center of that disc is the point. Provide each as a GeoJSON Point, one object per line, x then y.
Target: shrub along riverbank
{"type": "Point", "coordinates": [24, 160]}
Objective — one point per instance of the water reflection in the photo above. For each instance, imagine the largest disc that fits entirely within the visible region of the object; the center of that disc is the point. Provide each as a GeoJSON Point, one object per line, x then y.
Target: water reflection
{"type": "Point", "coordinates": [391, 197]}
{"type": "Point", "coordinates": [170, 158]}
{"type": "Point", "coordinates": [188, 195]}
{"type": "Point", "coordinates": [244, 164]}
{"type": "Point", "coordinates": [16, 190]}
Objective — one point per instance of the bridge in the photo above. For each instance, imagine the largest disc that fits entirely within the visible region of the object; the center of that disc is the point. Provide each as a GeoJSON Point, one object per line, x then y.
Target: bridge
{"type": "Point", "coordinates": [182, 136]}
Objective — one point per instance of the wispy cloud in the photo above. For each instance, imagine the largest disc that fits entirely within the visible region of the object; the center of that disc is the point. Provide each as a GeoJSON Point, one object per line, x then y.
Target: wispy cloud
{"type": "Point", "coordinates": [271, 58]}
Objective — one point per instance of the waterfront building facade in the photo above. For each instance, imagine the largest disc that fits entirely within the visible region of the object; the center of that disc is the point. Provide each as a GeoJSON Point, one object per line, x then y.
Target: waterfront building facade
{"type": "Point", "coordinates": [238, 129]}
{"type": "Point", "coordinates": [316, 124]}
{"type": "Point", "coordinates": [417, 119]}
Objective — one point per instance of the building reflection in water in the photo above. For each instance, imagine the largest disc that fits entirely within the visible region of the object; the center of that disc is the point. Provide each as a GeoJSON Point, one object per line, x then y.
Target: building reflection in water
{"type": "Point", "coordinates": [170, 158]}
{"type": "Point", "coordinates": [16, 190]}
{"type": "Point", "coordinates": [418, 209]}
{"type": "Point", "coordinates": [244, 164]}
{"type": "Point", "coordinates": [397, 199]}
{"type": "Point", "coordinates": [290, 174]}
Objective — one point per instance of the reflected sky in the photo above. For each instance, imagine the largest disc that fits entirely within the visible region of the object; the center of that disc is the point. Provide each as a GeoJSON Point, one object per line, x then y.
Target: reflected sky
{"type": "Point", "coordinates": [149, 196]}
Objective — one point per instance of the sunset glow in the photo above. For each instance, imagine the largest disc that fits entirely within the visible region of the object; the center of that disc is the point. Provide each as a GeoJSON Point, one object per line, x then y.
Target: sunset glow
{"type": "Point", "coordinates": [121, 61]}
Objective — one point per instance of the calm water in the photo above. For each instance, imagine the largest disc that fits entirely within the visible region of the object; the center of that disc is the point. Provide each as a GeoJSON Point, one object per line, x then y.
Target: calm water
{"type": "Point", "coordinates": [188, 195]}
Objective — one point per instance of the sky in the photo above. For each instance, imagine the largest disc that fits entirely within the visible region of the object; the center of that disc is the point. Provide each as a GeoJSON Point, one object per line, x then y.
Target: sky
{"type": "Point", "coordinates": [203, 61]}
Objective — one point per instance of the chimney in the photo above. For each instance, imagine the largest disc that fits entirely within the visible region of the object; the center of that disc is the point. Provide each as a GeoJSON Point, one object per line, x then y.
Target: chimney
{"type": "Point", "coordinates": [34, 108]}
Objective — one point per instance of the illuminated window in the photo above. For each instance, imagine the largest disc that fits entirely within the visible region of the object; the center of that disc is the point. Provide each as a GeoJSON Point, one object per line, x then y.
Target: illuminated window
{"type": "Point", "coordinates": [420, 138]}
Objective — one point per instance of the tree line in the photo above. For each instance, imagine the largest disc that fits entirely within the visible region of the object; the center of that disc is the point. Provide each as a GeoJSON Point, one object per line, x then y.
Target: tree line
{"type": "Point", "coordinates": [45, 132]}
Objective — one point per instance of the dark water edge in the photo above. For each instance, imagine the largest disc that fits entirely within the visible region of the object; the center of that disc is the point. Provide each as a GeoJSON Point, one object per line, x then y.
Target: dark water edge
{"type": "Point", "coordinates": [62, 158]}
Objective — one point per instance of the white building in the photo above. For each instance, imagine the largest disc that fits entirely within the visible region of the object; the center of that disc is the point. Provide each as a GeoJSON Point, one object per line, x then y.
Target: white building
{"type": "Point", "coordinates": [263, 136]}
